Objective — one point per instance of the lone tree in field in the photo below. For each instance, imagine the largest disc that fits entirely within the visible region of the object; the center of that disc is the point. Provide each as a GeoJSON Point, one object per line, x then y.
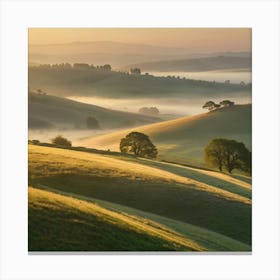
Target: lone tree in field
{"type": "Point", "coordinates": [92, 123]}
{"type": "Point", "coordinates": [210, 105]}
{"type": "Point", "coordinates": [61, 141]}
{"type": "Point", "coordinates": [226, 103]}
{"type": "Point", "coordinates": [228, 154]}
{"type": "Point", "coordinates": [138, 144]}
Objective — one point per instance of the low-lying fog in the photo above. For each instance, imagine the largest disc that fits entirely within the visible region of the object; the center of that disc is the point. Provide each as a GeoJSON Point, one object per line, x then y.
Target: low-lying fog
{"type": "Point", "coordinates": [235, 76]}
{"type": "Point", "coordinates": [176, 106]}
{"type": "Point", "coordinates": [46, 135]}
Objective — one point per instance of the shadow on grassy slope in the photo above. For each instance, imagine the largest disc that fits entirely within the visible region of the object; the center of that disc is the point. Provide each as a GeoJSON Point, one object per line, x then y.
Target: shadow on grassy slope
{"type": "Point", "coordinates": [116, 181]}
{"type": "Point", "coordinates": [209, 240]}
{"type": "Point", "coordinates": [61, 223]}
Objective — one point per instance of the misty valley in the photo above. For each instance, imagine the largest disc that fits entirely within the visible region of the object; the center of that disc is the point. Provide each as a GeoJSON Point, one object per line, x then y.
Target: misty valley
{"type": "Point", "coordinates": [149, 151]}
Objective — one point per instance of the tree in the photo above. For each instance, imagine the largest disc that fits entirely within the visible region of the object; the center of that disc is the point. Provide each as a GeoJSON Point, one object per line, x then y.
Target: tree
{"type": "Point", "coordinates": [61, 141]}
{"type": "Point", "coordinates": [138, 144]}
{"type": "Point", "coordinates": [226, 103]}
{"type": "Point", "coordinates": [92, 123]}
{"type": "Point", "coordinates": [229, 154]}
{"type": "Point", "coordinates": [210, 105]}
{"type": "Point", "coordinates": [135, 71]}
{"type": "Point", "coordinates": [107, 67]}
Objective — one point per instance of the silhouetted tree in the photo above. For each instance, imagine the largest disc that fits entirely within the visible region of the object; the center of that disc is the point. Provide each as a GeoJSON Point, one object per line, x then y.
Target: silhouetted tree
{"type": "Point", "coordinates": [226, 103]}
{"type": "Point", "coordinates": [92, 123]}
{"type": "Point", "coordinates": [229, 154]}
{"type": "Point", "coordinates": [107, 67]}
{"type": "Point", "coordinates": [210, 105]}
{"type": "Point", "coordinates": [61, 141]}
{"type": "Point", "coordinates": [138, 144]}
{"type": "Point", "coordinates": [135, 71]}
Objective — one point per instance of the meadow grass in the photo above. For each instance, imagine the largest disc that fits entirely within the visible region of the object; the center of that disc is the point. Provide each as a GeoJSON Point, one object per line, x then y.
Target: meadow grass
{"type": "Point", "coordinates": [61, 223]}
{"type": "Point", "coordinates": [140, 186]}
{"type": "Point", "coordinates": [206, 239]}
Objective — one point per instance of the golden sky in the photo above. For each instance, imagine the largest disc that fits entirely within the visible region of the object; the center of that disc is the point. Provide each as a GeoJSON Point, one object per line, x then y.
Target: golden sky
{"type": "Point", "coordinates": [200, 39]}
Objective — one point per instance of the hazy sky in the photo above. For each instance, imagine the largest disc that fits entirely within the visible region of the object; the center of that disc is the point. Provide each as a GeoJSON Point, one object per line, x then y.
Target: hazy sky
{"type": "Point", "coordinates": [199, 39]}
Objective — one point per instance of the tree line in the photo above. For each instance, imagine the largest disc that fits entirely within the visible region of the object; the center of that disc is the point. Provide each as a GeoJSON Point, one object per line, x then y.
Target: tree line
{"type": "Point", "coordinates": [211, 105]}
{"type": "Point", "coordinates": [224, 154]}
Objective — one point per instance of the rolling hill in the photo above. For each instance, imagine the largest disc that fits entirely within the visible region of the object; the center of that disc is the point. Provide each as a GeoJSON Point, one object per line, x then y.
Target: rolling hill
{"type": "Point", "coordinates": [47, 111]}
{"type": "Point", "coordinates": [197, 64]}
{"type": "Point", "coordinates": [210, 216]}
{"type": "Point", "coordinates": [96, 82]}
{"type": "Point", "coordinates": [184, 139]}
{"type": "Point", "coordinates": [74, 224]}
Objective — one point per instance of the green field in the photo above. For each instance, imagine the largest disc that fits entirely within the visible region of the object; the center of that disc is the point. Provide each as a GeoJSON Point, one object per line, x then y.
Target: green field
{"type": "Point", "coordinates": [183, 140]}
{"type": "Point", "coordinates": [209, 215]}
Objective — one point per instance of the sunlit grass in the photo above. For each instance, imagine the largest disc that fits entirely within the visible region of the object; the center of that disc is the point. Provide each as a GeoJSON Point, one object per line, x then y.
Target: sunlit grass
{"type": "Point", "coordinates": [162, 190]}
{"type": "Point", "coordinates": [76, 224]}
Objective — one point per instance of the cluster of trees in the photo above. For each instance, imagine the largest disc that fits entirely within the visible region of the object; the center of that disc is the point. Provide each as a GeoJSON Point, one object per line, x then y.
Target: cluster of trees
{"type": "Point", "coordinates": [211, 105]}
{"type": "Point", "coordinates": [135, 71]}
{"type": "Point", "coordinates": [67, 65]}
{"type": "Point", "coordinates": [228, 154]}
{"type": "Point", "coordinates": [138, 144]}
{"type": "Point", "coordinates": [149, 111]}
{"type": "Point", "coordinates": [225, 154]}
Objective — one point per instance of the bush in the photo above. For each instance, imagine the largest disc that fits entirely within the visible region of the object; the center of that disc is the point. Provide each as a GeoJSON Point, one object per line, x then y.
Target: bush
{"type": "Point", "coordinates": [61, 141]}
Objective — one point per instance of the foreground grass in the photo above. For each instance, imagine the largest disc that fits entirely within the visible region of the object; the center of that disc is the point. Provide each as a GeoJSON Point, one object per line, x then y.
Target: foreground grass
{"type": "Point", "coordinates": [142, 187]}
{"type": "Point", "coordinates": [209, 240]}
{"type": "Point", "coordinates": [61, 223]}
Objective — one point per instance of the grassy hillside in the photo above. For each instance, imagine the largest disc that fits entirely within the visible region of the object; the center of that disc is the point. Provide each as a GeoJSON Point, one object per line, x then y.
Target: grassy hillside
{"type": "Point", "coordinates": [62, 223]}
{"type": "Point", "coordinates": [97, 82]}
{"type": "Point", "coordinates": [46, 111]}
{"type": "Point", "coordinates": [197, 64]}
{"type": "Point", "coordinates": [184, 139]}
{"type": "Point", "coordinates": [135, 184]}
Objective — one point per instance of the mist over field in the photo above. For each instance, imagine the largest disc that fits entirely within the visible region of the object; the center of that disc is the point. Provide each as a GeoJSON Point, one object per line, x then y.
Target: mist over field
{"type": "Point", "coordinates": [139, 140]}
{"type": "Point", "coordinates": [167, 105]}
{"type": "Point", "coordinates": [236, 76]}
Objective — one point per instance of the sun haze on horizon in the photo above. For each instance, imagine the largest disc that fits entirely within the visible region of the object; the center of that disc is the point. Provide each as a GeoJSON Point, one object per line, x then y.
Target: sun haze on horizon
{"type": "Point", "coordinates": [193, 39]}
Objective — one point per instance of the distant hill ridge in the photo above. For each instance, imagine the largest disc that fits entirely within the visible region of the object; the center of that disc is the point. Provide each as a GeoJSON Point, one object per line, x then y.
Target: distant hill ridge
{"type": "Point", "coordinates": [90, 81]}
{"type": "Point", "coordinates": [197, 64]}
{"type": "Point", "coordinates": [47, 111]}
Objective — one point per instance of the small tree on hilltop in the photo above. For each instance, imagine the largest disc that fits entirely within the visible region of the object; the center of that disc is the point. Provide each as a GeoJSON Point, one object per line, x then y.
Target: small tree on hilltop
{"type": "Point", "coordinates": [210, 105]}
{"type": "Point", "coordinates": [138, 144]}
{"type": "Point", "coordinates": [61, 141]}
{"type": "Point", "coordinates": [229, 154]}
{"type": "Point", "coordinates": [226, 103]}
